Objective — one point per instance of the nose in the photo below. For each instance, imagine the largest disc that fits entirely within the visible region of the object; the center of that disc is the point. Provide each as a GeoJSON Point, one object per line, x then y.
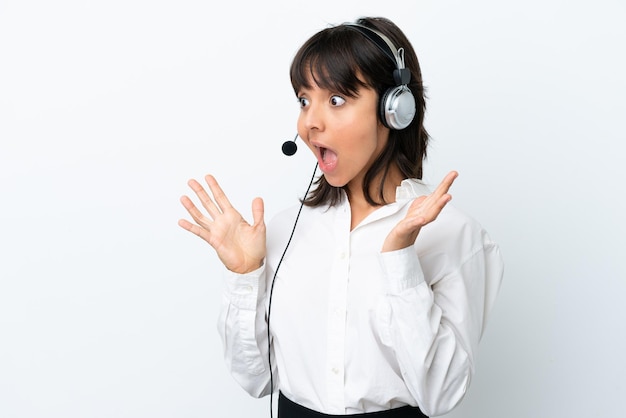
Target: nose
{"type": "Point", "coordinates": [311, 117]}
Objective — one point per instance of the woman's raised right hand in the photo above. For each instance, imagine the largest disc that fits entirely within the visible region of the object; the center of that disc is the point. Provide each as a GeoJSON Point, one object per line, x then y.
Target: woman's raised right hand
{"type": "Point", "coordinates": [239, 245]}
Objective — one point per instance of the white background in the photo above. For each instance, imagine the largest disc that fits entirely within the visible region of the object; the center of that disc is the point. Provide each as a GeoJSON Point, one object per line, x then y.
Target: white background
{"type": "Point", "coordinates": [108, 308]}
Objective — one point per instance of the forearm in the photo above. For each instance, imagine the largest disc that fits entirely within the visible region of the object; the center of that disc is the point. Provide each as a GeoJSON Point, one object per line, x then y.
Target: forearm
{"type": "Point", "coordinates": [434, 361]}
{"type": "Point", "coordinates": [243, 331]}
{"type": "Point", "coordinates": [433, 330]}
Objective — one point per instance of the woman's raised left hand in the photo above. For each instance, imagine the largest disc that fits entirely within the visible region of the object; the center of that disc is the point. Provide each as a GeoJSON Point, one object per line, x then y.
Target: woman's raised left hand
{"type": "Point", "coordinates": [422, 211]}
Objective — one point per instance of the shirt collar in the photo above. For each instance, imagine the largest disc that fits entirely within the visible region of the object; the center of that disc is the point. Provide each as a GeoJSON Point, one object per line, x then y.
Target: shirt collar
{"type": "Point", "coordinates": [410, 189]}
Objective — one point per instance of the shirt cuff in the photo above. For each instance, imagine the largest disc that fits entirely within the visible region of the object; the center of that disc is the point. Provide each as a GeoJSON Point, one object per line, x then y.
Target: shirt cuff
{"type": "Point", "coordinates": [402, 269]}
{"type": "Point", "coordinates": [244, 290]}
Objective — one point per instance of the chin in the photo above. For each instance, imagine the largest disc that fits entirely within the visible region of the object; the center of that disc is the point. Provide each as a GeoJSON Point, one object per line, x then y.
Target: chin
{"type": "Point", "coordinates": [335, 182]}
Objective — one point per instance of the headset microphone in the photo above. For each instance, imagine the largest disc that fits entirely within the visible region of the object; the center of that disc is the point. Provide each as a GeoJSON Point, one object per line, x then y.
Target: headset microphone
{"type": "Point", "coordinates": [290, 147]}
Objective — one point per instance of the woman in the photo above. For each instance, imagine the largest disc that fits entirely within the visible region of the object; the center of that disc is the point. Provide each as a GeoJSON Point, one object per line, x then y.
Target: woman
{"type": "Point", "coordinates": [383, 293]}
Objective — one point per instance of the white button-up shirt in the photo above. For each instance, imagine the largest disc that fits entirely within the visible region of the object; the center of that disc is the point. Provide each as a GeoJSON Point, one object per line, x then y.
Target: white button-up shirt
{"type": "Point", "coordinates": [356, 330]}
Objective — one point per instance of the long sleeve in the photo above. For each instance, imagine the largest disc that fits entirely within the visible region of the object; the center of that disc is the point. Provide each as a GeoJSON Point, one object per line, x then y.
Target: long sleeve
{"type": "Point", "coordinates": [434, 320]}
{"type": "Point", "coordinates": [243, 329]}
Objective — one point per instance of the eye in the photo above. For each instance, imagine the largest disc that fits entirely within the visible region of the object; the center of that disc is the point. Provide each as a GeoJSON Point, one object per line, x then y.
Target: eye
{"type": "Point", "coordinates": [303, 102]}
{"type": "Point", "coordinates": [337, 100]}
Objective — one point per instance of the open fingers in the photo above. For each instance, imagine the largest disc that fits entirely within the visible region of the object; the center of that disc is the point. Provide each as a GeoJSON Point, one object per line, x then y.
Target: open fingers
{"type": "Point", "coordinates": [218, 194]}
{"type": "Point", "coordinates": [445, 184]}
{"type": "Point", "coordinates": [202, 226]}
{"type": "Point", "coordinates": [258, 209]}
{"type": "Point", "coordinates": [427, 208]}
{"type": "Point", "coordinates": [215, 205]}
{"type": "Point", "coordinates": [194, 212]}
{"type": "Point", "coordinates": [440, 197]}
{"type": "Point", "coordinates": [195, 229]}
{"type": "Point", "coordinates": [204, 198]}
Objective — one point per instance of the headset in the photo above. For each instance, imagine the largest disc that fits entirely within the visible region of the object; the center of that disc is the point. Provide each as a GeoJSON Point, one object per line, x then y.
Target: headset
{"type": "Point", "coordinates": [397, 104]}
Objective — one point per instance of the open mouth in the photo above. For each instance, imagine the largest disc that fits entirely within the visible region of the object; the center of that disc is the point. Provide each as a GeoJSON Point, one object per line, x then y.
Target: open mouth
{"type": "Point", "coordinates": [328, 158]}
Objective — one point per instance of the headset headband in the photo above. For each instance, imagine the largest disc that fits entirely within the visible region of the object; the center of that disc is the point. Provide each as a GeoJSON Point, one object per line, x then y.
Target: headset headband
{"type": "Point", "coordinates": [402, 76]}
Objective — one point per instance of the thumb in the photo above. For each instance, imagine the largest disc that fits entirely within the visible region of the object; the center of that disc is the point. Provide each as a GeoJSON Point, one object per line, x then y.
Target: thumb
{"type": "Point", "coordinates": [258, 211]}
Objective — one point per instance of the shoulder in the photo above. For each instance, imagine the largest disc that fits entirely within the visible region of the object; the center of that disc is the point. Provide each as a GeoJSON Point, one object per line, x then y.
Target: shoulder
{"type": "Point", "coordinates": [455, 224]}
{"type": "Point", "coordinates": [453, 229]}
{"type": "Point", "coordinates": [453, 239]}
{"type": "Point", "coordinates": [457, 246]}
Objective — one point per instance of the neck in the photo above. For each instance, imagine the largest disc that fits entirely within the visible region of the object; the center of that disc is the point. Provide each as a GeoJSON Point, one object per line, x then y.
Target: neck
{"type": "Point", "coordinates": [360, 207]}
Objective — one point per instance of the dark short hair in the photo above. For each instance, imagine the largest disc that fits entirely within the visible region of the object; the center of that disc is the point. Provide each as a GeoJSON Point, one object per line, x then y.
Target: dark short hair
{"type": "Point", "coordinates": [334, 58]}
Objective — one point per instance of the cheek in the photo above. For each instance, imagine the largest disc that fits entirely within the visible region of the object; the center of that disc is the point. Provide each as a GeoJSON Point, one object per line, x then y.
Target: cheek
{"type": "Point", "coordinates": [364, 136]}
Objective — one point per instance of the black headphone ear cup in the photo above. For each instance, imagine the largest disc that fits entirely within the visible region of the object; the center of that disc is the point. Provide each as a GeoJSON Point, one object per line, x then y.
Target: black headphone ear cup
{"type": "Point", "coordinates": [397, 107]}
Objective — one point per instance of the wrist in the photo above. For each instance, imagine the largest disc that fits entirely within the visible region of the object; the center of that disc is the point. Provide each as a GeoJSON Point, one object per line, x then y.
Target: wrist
{"type": "Point", "coordinates": [394, 243]}
{"type": "Point", "coordinates": [248, 268]}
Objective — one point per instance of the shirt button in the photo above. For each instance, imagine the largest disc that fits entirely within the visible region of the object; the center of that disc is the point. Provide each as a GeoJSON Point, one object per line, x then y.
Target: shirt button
{"type": "Point", "coordinates": [335, 370]}
{"type": "Point", "coordinates": [247, 289]}
{"type": "Point", "coordinates": [342, 255]}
